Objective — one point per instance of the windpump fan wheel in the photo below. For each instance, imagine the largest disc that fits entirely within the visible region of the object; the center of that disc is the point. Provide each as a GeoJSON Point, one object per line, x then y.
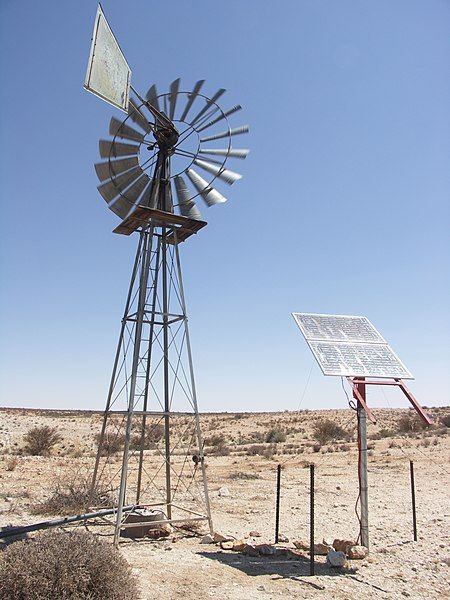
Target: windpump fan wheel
{"type": "Point", "coordinates": [179, 140]}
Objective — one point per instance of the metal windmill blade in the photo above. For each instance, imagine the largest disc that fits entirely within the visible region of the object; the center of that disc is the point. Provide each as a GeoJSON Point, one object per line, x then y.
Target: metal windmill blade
{"type": "Point", "coordinates": [188, 207]}
{"type": "Point", "coordinates": [210, 195]}
{"type": "Point", "coordinates": [109, 169]}
{"type": "Point", "coordinates": [113, 187]}
{"type": "Point", "coordinates": [117, 128]}
{"type": "Point", "coordinates": [208, 104]}
{"type": "Point", "coordinates": [152, 97]}
{"type": "Point", "coordinates": [224, 134]}
{"type": "Point", "coordinates": [226, 175]}
{"type": "Point", "coordinates": [113, 149]}
{"type": "Point", "coordinates": [232, 152]}
{"type": "Point", "coordinates": [220, 117]}
{"type": "Point", "coordinates": [191, 98]}
{"type": "Point", "coordinates": [174, 87]}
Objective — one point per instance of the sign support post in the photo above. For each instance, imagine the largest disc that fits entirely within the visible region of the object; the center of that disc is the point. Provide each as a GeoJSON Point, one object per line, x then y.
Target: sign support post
{"type": "Point", "coordinates": [362, 466]}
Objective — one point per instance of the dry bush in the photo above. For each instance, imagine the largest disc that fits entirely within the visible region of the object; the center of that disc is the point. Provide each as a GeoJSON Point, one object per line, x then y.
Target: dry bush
{"type": "Point", "coordinates": [275, 435]}
{"type": "Point", "coordinates": [111, 443]}
{"type": "Point", "coordinates": [445, 420]}
{"type": "Point", "coordinates": [215, 440]}
{"type": "Point", "coordinates": [39, 441]}
{"type": "Point", "coordinates": [260, 450]}
{"type": "Point", "coordinates": [153, 434]}
{"type": "Point", "coordinates": [328, 431]}
{"type": "Point", "coordinates": [242, 475]}
{"type": "Point", "coordinates": [72, 565]}
{"type": "Point", "coordinates": [316, 447]}
{"type": "Point", "coordinates": [221, 450]}
{"type": "Point", "coordinates": [410, 423]}
{"type": "Point", "coordinates": [383, 433]}
{"type": "Point", "coordinates": [72, 497]}
{"type": "Point", "coordinates": [255, 437]}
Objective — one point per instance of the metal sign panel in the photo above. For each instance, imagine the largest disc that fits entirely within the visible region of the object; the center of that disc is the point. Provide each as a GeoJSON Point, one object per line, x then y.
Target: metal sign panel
{"type": "Point", "coordinates": [349, 346]}
{"type": "Point", "coordinates": [108, 75]}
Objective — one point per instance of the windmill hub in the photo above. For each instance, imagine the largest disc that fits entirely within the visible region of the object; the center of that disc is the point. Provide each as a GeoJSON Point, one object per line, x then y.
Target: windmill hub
{"type": "Point", "coordinates": [166, 138]}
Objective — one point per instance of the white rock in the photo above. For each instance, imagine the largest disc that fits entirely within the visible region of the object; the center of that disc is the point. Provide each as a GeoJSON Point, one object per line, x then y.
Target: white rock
{"type": "Point", "coordinates": [336, 558]}
{"type": "Point", "coordinates": [224, 491]}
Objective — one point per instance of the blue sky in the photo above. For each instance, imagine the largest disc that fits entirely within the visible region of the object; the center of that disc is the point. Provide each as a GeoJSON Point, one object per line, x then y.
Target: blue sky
{"type": "Point", "coordinates": [343, 207]}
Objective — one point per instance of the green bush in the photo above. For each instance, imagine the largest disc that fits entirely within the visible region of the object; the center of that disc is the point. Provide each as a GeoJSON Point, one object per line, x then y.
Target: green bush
{"type": "Point", "coordinates": [39, 441]}
{"type": "Point", "coordinates": [60, 565]}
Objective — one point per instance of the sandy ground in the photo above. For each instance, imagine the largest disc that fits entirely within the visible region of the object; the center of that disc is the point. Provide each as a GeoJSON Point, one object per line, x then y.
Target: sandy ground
{"type": "Point", "coordinates": [181, 567]}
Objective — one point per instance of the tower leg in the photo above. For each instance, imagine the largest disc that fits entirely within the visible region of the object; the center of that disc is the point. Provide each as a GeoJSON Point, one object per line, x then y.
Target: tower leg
{"type": "Point", "coordinates": [166, 373]}
{"type": "Point", "coordinates": [145, 268]}
{"type": "Point", "coordinates": [194, 392]}
{"type": "Point", "coordinates": [115, 367]}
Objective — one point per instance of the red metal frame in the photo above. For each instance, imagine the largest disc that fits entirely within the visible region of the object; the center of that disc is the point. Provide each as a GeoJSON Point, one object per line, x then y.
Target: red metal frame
{"type": "Point", "coordinates": [359, 393]}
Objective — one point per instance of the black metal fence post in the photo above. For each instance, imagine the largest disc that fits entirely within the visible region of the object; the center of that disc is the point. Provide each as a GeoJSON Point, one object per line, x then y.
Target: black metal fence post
{"type": "Point", "coordinates": [277, 508]}
{"type": "Point", "coordinates": [413, 499]}
{"type": "Point", "coordinates": [311, 519]}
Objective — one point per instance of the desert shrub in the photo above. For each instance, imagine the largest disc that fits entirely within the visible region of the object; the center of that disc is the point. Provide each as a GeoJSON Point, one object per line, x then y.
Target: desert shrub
{"type": "Point", "coordinates": [111, 443]}
{"type": "Point", "coordinates": [221, 450]}
{"type": "Point", "coordinates": [72, 565]}
{"type": "Point", "coordinates": [328, 431]}
{"type": "Point", "coordinates": [275, 435]}
{"type": "Point", "coordinates": [384, 433]}
{"type": "Point", "coordinates": [260, 450]}
{"type": "Point", "coordinates": [255, 437]}
{"type": "Point", "coordinates": [344, 447]}
{"type": "Point", "coordinates": [410, 423]}
{"type": "Point", "coordinates": [446, 420]}
{"type": "Point", "coordinates": [153, 434]}
{"type": "Point", "coordinates": [316, 447]}
{"type": "Point", "coordinates": [39, 441]}
{"type": "Point", "coordinates": [215, 440]}
{"type": "Point", "coordinates": [242, 475]}
{"type": "Point", "coordinates": [72, 496]}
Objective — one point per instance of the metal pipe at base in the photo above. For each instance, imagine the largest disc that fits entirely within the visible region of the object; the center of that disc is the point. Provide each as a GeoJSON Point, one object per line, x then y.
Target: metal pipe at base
{"type": "Point", "coordinates": [10, 532]}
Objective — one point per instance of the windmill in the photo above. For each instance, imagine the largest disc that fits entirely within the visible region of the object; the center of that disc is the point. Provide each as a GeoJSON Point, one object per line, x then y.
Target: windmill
{"type": "Point", "coordinates": [168, 153]}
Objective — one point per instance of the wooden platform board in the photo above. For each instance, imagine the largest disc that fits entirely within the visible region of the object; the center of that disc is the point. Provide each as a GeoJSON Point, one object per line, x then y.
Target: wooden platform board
{"type": "Point", "coordinates": [142, 216]}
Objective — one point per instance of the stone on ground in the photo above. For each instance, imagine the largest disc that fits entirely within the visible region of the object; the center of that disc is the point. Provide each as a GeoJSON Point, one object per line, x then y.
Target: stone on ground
{"type": "Point", "coordinates": [207, 539]}
{"type": "Point", "coordinates": [336, 558]}
{"type": "Point", "coordinates": [343, 545]}
{"type": "Point", "coordinates": [357, 552]}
